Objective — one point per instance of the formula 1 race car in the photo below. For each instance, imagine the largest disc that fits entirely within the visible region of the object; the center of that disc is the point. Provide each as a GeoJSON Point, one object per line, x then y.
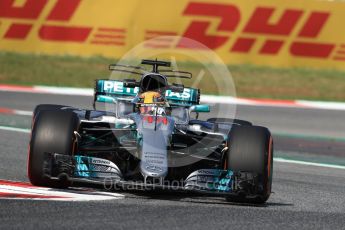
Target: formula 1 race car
{"type": "Point", "coordinates": [146, 138]}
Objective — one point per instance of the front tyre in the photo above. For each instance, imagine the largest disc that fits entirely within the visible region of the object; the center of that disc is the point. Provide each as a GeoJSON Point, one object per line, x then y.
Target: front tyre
{"type": "Point", "coordinates": [52, 132]}
{"type": "Point", "coordinates": [251, 150]}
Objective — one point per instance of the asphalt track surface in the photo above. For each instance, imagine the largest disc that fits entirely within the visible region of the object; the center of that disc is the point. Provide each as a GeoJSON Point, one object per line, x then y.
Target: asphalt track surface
{"type": "Point", "coordinates": [305, 197]}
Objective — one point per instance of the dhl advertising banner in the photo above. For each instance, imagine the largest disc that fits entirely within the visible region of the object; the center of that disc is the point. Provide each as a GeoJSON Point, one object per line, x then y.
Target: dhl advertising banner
{"type": "Point", "coordinates": [277, 33]}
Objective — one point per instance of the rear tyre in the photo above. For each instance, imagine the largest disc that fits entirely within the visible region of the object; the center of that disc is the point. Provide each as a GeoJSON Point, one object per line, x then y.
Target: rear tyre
{"type": "Point", "coordinates": [229, 120]}
{"type": "Point", "coordinates": [251, 150]}
{"type": "Point", "coordinates": [52, 132]}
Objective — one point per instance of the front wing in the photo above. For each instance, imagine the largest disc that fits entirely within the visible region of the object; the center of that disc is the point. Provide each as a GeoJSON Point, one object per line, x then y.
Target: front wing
{"type": "Point", "coordinates": [92, 170]}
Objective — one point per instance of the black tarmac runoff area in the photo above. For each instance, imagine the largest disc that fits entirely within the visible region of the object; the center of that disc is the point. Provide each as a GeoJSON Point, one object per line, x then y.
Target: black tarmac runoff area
{"type": "Point", "coordinates": [305, 196]}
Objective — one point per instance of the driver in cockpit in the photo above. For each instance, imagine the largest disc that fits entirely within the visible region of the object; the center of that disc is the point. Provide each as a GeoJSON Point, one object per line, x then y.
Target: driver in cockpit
{"type": "Point", "coordinates": [151, 97]}
{"type": "Point", "coordinates": [148, 100]}
{"type": "Point", "coordinates": [151, 93]}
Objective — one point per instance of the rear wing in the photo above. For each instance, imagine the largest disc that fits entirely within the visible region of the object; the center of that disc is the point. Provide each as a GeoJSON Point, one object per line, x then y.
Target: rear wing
{"type": "Point", "coordinates": [116, 89]}
{"type": "Point", "coordinates": [138, 70]}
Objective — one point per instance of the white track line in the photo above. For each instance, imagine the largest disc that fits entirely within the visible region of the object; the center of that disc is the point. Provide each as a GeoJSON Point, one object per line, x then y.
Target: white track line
{"type": "Point", "coordinates": [56, 194]}
{"type": "Point", "coordinates": [324, 165]}
{"type": "Point", "coordinates": [64, 90]}
{"type": "Point", "coordinates": [15, 112]}
{"type": "Point", "coordinates": [22, 112]}
{"type": "Point", "coordinates": [15, 129]}
{"type": "Point", "coordinates": [322, 104]}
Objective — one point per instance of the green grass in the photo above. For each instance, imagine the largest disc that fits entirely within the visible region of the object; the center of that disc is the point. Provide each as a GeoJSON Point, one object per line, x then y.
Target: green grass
{"type": "Point", "coordinates": [27, 69]}
{"type": "Point", "coordinates": [250, 81]}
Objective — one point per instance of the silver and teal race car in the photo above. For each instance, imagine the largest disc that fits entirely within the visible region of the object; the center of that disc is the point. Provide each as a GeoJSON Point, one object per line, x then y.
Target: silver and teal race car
{"type": "Point", "coordinates": [147, 136]}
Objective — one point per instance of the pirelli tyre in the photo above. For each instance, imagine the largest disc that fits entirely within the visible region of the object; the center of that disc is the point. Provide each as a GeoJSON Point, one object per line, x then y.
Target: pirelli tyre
{"type": "Point", "coordinates": [251, 150]}
{"type": "Point", "coordinates": [229, 121]}
{"type": "Point", "coordinates": [46, 107]}
{"type": "Point", "coordinates": [52, 132]}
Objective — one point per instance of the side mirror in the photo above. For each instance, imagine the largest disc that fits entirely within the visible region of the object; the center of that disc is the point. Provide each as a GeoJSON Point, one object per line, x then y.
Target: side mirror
{"type": "Point", "coordinates": [200, 108]}
{"type": "Point", "coordinates": [176, 88]}
{"type": "Point", "coordinates": [130, 83]}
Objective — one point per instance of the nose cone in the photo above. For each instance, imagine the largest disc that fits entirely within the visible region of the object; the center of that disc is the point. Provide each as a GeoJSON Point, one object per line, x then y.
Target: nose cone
{"type": "Point", "coordinates": [155, 134]}
{"type": "Point", "coordinates": [154, 156]}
